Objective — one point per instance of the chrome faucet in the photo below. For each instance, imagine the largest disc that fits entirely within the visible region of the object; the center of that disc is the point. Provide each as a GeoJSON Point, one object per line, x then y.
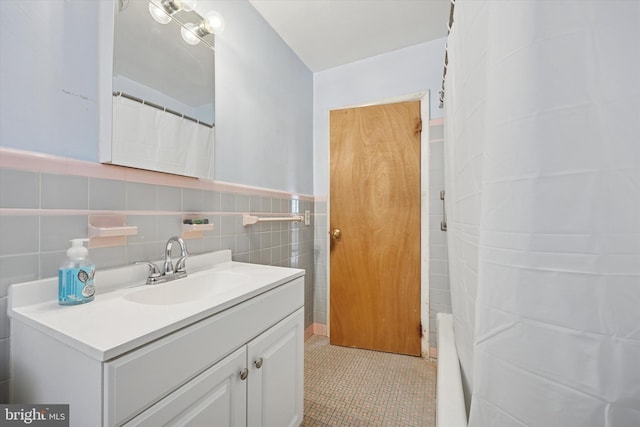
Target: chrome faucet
{"type": "Point", "coordinates": [168, 273]}
{"type": "Point", "coordinates": [180, 265]}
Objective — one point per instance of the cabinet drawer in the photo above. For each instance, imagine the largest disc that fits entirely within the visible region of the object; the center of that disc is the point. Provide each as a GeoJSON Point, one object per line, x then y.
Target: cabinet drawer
{"type": "Point", "coordinates": [218, 395]}
{"type": "Point", "coordinates": [137, 380]}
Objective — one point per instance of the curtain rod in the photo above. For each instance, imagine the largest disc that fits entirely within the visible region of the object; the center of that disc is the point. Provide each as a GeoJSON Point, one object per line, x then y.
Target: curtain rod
{"type": "Point", "coordinates": [446, 54]}
{"type": "Point", "coordinates": [160, 107]}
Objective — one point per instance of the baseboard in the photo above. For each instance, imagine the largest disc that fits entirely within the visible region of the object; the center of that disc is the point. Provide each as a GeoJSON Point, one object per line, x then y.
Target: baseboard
{"type": "Point", "coordinates": [315, 329]}
{"type": "Point", "coordinates": [433, 353]}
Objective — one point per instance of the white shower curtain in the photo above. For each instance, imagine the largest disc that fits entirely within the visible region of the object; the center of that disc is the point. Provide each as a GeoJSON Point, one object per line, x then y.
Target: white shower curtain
{"type": "Point", "coordinates": [542, 153]}
{"type": "Point", "coordinates": [149, 138]}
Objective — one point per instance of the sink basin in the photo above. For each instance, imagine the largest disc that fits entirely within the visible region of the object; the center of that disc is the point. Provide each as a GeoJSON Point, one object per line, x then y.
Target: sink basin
{"type": "Point", "coordinates": [185, 290]}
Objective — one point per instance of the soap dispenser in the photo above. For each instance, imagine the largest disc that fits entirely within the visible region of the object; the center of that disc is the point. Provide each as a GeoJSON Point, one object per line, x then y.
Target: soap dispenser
{"type": "Point", "coordinates": [75, 276]}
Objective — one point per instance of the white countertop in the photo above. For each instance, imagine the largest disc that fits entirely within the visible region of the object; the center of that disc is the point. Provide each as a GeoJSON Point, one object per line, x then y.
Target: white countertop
{"type": "Point", "coordinates": [114, 323]}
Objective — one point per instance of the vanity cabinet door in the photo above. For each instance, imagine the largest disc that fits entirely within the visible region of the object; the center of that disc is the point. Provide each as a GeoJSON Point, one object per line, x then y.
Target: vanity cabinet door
{"type": "Point", "coordinates": [217, 397]}
{"type": "Point", "coordinates": [275, 363]}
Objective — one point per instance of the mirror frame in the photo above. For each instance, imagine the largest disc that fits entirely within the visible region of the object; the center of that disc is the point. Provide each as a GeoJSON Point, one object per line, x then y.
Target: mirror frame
{"type": "Point", "coordinates": [106, 26]}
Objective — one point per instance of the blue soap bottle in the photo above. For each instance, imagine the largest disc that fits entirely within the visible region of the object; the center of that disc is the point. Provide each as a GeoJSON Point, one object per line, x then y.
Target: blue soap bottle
{"type": "Point", "coordinates": [75, 276]}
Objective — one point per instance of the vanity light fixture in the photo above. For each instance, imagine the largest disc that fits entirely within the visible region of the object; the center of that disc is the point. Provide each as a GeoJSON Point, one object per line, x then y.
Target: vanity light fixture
{"type": "Point", "coordinates": [161, 10]}
{"type": "Point", "coordinates": [212, 23]}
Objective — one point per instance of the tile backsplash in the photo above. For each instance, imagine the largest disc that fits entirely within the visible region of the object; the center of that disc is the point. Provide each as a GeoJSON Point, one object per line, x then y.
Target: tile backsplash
{"type": "Point", "coordinates": [40, 212]}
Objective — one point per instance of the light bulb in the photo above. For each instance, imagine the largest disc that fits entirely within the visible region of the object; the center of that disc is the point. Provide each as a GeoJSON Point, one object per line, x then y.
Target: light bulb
{"type": "Point", "coordinates": [188, 34]}
{"type": "Point", "coordinates": [213, 22]}
{"type": "Point", "coordinates": [158, 14]}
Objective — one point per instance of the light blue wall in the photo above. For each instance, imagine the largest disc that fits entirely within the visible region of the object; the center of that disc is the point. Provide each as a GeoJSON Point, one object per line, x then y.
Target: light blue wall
{"type": "Point", "coordinates": [49, 87]}
{"type": "Point", "coordinates": [49, 77]}
{"type": "Point", "coordinates": [264, 105]}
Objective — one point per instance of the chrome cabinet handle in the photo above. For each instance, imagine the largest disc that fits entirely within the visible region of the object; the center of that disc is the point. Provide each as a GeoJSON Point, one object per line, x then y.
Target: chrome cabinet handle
{"type": "Point", "coordinates": [244, 374]}
{"type": "Point", "coordinates": [258, 363]}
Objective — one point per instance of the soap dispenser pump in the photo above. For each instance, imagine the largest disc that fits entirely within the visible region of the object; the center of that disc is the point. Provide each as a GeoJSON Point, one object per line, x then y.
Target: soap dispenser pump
{"type": "Point", "coordinates": [75, 276]}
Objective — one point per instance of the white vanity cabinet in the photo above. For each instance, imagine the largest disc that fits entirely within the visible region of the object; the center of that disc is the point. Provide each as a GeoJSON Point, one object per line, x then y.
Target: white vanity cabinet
{"type": "Point", "coordinates": [258, 385]}
{"type": "Point", "coordinates": [215, 397]}
{"type": "Point", "coordinates": [242, 365]}
{"type": "Point", "coordinates": [276, 369]}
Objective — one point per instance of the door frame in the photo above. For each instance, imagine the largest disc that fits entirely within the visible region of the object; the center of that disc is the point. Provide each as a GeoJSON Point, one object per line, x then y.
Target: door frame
{"type": "Point", "coordinates": [423, 97]}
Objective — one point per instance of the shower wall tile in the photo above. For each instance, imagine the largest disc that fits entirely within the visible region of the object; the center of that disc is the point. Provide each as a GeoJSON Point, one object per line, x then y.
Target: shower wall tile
{"type": "Point", "coordinates": [216, 220]}
{"type": "Point", "coordinates": [320, 254]}
{"type": "Point", "coordinates": [436, 160]}
{"type": "Point", "coordinates": [266, 205]}
{"type": "Point", "coordinates": [255, 204]}
{"type": "Point", "coordinates": [434, 220]}
{"type": "Point", "coordinates": [19, 234]}
{"type": "Point", "coordinates": [229, 242]}
{"type": "Point", "coordinates": [108, 258]}
{"type": "Point", "coordinates": [57, 231]}
{"type": "Point", "coordinates": [243, 203]}
{"type": "Point", "coordinates": [64, 192]}
{"type": "Point", "coordinates": [17, 269]}
{"type": "Point", "coordinates": [141, 196]}
{"type": "Point", "coordinates": [438, 268]}
{"type": "Point", "coordinates": [19, 189]}
{"type": "Point", "coordinates": [228, 224]}
{"type": "Point", "coordinates": [436, 133]}
{"type": "Point", "coordinates": [228, 202]}
{"type": "Point", "coordinates": [106, 194]}
{"type": "Point", "coordinates": [50, 262]}
{"type": "Point", "coordinates": [33, 246]}
{"type": "Point", "coordinates": [438, 252]}
{"type": "Point", "coordinates": [211, 243]}
{"type": "Point", "coordinates": [439, 282]}
{"type": "Point", "coordinates": [147, 228]}
{"type": "Point", "coordinates": [265, 240]}
{"type": "Point", "coordinates": [436, 181]}
{"type": "Point", "coordinates": [212, 201]}
{"type": "Point", "coordinates": [242, 245]}
{"type": "Point", "coordinates": [169, 198]}
{"type": "Point", "coordinates": [439, 290]}
{"type": "Point", "coordinates": [168, 225]}
{"type": "Point", "coordinates": [192, 200]}
{"type": "Point", "coordinates": [141, 252]}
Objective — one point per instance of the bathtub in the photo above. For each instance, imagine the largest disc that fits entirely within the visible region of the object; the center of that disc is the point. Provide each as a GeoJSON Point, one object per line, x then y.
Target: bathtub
{"type": "Point", "coordinates": [450, 407]}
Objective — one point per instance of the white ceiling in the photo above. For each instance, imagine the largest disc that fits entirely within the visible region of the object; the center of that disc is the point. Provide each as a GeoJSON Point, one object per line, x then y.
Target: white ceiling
{"type": "Point", "coordinates": [329, 33]}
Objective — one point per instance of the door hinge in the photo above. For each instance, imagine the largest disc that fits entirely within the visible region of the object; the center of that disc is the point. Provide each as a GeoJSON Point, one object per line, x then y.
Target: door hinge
{"type": "Point", "coordinates": [420, 330]}
{"type": "Point", "coordinates": [419, 126]}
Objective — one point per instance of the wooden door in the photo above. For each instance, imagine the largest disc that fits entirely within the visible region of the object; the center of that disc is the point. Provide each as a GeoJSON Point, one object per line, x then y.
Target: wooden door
{"type": "Point", "coordinates": [375, 205]}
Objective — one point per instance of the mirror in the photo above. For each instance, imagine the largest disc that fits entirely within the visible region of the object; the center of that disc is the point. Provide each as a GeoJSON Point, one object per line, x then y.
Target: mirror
{"type": "Point", "coordinates": [163, 91]}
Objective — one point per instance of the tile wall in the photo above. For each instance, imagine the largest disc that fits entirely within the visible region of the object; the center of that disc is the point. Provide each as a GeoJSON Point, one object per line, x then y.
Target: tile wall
{"type": "Point", "coordinates": [439, 294]}
{"type": "Point", "coordinates": [40, 212]}
{"type": "Point", "coordinates": [321, 242]}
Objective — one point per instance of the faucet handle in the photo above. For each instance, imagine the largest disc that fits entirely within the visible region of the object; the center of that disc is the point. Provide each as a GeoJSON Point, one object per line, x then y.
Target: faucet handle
{"type": "Point", "coordinates": [154, 271]}
{"type": "Point", "coordinates": [181, 264]}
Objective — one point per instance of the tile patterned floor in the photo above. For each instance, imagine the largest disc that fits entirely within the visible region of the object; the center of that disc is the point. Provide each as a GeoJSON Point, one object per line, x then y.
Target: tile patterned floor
{"type": "Point", "coordinates": [348, 387]}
